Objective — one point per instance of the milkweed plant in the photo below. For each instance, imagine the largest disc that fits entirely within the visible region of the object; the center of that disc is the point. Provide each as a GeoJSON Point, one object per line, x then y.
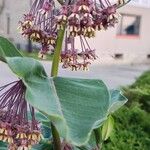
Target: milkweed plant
{"type": "Point", "coordinates": [42, 112]}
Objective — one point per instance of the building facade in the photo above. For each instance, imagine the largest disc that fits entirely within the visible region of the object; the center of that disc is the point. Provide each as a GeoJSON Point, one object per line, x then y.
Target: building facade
{"type": "Point", "coordinates": [12, 11]}
{"type": "Point", "coordinates": [128, 42]}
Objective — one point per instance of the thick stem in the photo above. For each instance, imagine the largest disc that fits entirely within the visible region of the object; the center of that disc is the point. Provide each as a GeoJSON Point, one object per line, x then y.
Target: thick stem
{"type": "Point", "coordinates": [57, 52]}
{"type": "Point", "coordinates": [54, 73]}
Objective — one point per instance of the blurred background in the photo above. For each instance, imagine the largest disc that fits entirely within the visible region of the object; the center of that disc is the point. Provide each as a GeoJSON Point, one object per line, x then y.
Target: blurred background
{"type": "Point", "coordinates": [123, 62]}
{"type": "Point", "coordinates": [128, 42]}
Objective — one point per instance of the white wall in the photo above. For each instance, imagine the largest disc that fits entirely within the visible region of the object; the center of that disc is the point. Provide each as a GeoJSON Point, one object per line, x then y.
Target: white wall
{"type": "Point", "coordinates": [15, 9]}
{"type": "Point", "coordinates": [134, 49]}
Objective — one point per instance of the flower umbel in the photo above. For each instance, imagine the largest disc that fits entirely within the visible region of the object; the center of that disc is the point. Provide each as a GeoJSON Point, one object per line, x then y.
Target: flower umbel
{"type": "Point", "coordinates": [77, 59]}
{"type": "Point", "coordinates": [38, 24]}
{"type": "Point", "coordinates": [82, 18]}
{"type": "Point", "coordinates": [15, 127]}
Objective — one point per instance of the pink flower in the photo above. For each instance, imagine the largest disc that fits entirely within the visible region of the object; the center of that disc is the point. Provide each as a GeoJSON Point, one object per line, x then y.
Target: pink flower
{"type": "Point", "coordinates": [82, 18]}
{"type": "Point", "coordinates": [15, 127]}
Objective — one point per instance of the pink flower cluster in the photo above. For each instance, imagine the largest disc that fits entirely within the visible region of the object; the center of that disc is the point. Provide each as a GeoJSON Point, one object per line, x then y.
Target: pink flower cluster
{"type": "Point", "coordinates": [79, 18]}
{"type": "Point", "coordinates": [16, 129]}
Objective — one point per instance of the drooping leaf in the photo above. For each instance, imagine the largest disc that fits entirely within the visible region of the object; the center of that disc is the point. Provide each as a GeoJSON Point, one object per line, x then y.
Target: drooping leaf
{"type": "Point", "coordinates": [3, 148]}
{"type": "Point", "coordinates": [107, 128]}
{"type": "Point", "coordinates": [40, 92]}
{"type": "Point", "coordinates": [116, 101]}
{"type": "Point", "coordinates": [75, 106]}
{"type": "Point", "coordinates": [7, 49]}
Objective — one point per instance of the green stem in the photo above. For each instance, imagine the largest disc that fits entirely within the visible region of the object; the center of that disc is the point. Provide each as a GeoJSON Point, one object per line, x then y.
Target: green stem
{"type": "Point", "coordinates": [57, 52]}
{"type": "Point", "coordinates": [54, 73]}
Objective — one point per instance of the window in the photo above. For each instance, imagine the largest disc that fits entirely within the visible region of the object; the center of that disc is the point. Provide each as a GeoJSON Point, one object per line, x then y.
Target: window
{"type": "Point", "coordinates": [148, 56]}
{"type": "Point", "coordinates": [118, 56]}
{"type": "Point", "coordinates": [129, 25]}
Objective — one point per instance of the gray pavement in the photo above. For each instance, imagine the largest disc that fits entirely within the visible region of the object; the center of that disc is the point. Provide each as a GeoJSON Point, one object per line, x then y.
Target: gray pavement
{"type": "Point", "coordinates": [113, 75]}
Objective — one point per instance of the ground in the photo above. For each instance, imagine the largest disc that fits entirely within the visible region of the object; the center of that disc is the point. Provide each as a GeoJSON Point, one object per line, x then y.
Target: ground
{"type": "Point", "coordinates": [113, 75]}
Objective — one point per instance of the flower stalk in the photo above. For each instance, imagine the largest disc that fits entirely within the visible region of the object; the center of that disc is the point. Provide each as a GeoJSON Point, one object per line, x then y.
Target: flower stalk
{"type": "Point", "coordinates": [54, 73]}
{"type": "Point", "coordinates": [57, 52]}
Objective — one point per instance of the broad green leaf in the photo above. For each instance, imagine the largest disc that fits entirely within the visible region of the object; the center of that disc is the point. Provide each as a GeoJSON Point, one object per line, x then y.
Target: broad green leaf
{"type": "Point", "coordinates": [75, 106]}
{"type": "Point", "coordinates": [7, 49]}
{"type": "Point", "coordinates": [84, 104]}
{"type": "Point", "coordinates": [40, 91]}
{"type": "Point", "coordinates": [3, 148]}
{"type": "Point", "coordinates": [117, 100]}
{"type": "Point", "coordinates": [107, 128]}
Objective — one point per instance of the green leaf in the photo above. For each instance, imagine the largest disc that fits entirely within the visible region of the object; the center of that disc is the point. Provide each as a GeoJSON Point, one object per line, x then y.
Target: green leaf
{"type": "Point", "coordinates": [3, 146]}
{"type": "Point", "coordinates": [84, 104]}
{"type": "Point", "coordinates": [7, 49]}
{"type": "Point", "coordinates": [107, 128]}
{"type": "Point", "coordinates": [44, 145]}
{"type": "Point", "coordinates": [75, 106]}
{"type": "Point", "coordinates": [40, 92]}
{"type": "Point", "coordinates": [117, 100]}
{"type": "Point", "coordinates": [41, 117]}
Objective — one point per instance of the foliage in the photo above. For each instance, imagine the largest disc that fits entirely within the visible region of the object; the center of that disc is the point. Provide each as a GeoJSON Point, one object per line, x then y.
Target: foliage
{"type": "Point", "coordinates": [75, 106]}
{"type": "Point", "coordinates": [107, 128]}
{"type": "Point", "coordinates": [7, 49]}
{"type": "Point", "coordinates": [142, 81]}
{"type": "Point", "coordinates": [132, 130]}
{"type": "Point", "coordinates": [140, 92]}
{"type": "Point", "coordinates": [132, 125]}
